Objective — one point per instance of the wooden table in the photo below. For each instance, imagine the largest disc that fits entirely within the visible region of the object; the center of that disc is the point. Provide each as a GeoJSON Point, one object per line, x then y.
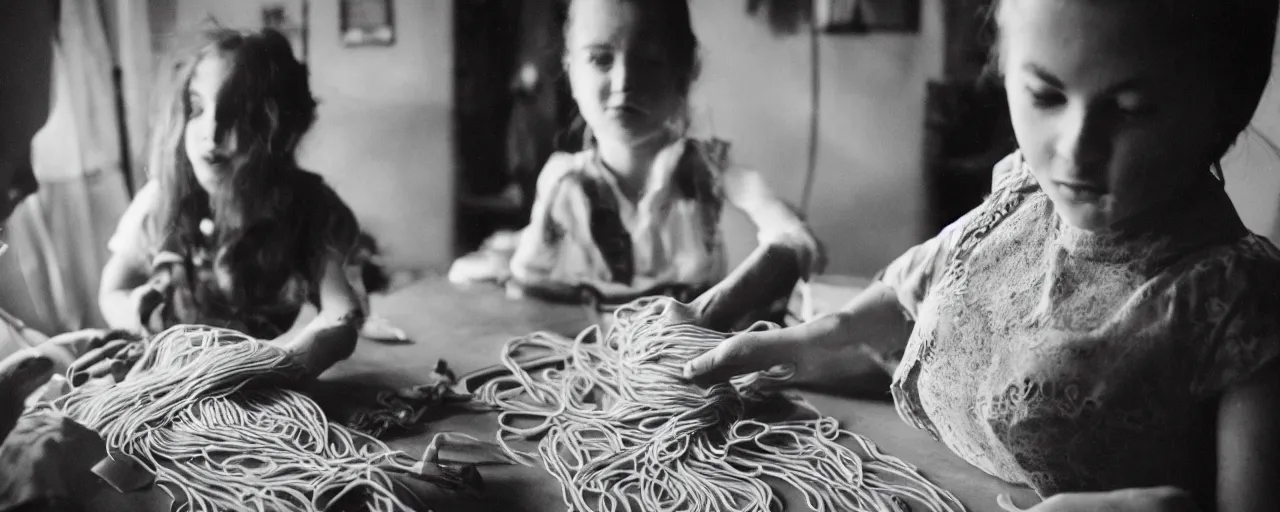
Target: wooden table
{"type": "Point", "coordinates": [467, 328]}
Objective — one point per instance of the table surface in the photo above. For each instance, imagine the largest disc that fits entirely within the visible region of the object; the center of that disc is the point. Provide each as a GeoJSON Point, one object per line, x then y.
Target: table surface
{"type": "Point", "coordinates": [468, 327]}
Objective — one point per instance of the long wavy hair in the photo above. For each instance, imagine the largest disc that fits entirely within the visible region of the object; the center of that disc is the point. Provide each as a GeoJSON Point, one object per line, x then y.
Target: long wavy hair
{"type": "Point", "coordinates": [258, 240]}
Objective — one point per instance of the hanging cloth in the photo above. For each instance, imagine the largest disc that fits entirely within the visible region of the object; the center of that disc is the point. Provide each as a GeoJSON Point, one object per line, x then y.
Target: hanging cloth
{"type": "Point", "coordinates": [76, 159]}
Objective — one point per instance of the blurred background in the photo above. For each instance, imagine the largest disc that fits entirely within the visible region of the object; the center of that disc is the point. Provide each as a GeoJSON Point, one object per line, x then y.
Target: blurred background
{"type": "Point", "coordinates": [875, 117]}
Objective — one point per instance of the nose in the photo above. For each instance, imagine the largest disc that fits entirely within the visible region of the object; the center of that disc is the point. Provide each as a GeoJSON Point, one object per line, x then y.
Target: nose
{"type": "Point", "coordinates": [208, 135]}
{"type": "Point", "coordinates": [1085, 141]}
{"type": "Point", "coordinates": [200, 130]}
{"type": "Point", "coordinates": [619, 76]}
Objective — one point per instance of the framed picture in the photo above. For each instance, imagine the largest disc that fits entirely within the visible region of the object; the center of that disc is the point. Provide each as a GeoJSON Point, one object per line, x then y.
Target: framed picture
{"type": "Point", "coordinates": [290, 18]}
{"type": "Point", "coordinates": [367, 23]}
{"type": "Point", "coordinates": [863, 16]}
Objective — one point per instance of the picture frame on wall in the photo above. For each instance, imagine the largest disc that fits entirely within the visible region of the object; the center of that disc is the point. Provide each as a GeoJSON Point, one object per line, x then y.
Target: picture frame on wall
{"type": "Point", "coordinates": [367, 22]}
{"type": "Point", "coordinates": [867, 16]}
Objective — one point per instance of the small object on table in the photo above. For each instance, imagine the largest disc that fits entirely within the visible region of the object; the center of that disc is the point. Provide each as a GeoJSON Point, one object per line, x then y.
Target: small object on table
{"type": "Point", "coordinates": [484, 452]}
{"type": "Point", "coordinates": [399, 410]}
{"type": "Point", "coordinates": [378, 328]}
{"type": "Point", "coordinates": [123, 473]}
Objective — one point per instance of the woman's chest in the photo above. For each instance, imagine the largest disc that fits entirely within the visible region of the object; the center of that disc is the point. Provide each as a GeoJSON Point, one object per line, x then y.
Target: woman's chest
{"type": "Point", "coordinates": [1025, 348]}
{"type": "Point", "coordinates": [662, 236]}
{"type": "Point", "coordinates": [1026, 308]}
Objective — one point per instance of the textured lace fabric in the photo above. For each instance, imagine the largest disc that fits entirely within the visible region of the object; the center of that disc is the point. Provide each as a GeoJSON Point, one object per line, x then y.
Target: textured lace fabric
{"type": "Point", "coordinates": [1069, 360]}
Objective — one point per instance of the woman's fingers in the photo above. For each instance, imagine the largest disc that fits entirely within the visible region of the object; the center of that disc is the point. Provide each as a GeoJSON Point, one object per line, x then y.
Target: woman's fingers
{"type": "Point", "coordinates": [99, 369]}
{"type": "Point", "coordinates": [96, 363]}
{"type": "Point", "coordinates": [745, 353]}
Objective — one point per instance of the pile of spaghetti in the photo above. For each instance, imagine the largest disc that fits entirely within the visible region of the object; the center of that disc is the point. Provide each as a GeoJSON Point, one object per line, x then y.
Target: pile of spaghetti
{"type": "Point", "coordinates": [205, 414]}
{"type": "Point", "coordinates": [621, 429]}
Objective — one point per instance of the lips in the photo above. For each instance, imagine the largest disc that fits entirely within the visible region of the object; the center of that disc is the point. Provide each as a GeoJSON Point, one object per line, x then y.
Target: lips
{"type": "Point", "coordinates": [1081, 192]}
{"type": "Point", "coordinates": [627, 109]}
{"type": "Point", "coordinates": [215, 159]}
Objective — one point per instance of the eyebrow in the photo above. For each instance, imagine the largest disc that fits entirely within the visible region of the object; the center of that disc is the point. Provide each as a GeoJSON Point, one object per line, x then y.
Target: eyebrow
{"type": "Point", "coordinates": [1044, 75]}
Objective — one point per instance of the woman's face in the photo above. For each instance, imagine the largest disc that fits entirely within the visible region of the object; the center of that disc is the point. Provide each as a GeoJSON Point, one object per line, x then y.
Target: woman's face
{"type": "Point", "coordinates": [619, 70]}
{"type": "Point", "coordinates": [212, 158]}
{"type": "Point", "coordinates": [1111, 116]}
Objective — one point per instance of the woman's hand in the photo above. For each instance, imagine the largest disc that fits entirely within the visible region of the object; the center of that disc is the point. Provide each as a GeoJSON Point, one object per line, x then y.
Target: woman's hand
{"type": "Point", "coordinates": [1154, 499]}
{"type": "Point", "coordinates": [849, 351]}
{"type": "Point", "coordinates": [818, 352]}
{"type": "Point", "coordinates": [94, 353]}
{"type": "Point", "coordinates": [146, 300]}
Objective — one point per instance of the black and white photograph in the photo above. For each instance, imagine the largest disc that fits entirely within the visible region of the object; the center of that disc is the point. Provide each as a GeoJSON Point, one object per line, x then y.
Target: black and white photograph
{"type": "Point", "coordinates": [639, 256]}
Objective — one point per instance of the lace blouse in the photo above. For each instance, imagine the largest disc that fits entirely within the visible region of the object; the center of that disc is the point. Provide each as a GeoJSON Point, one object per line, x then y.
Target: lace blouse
{"type": "Point", "coordinates": [1069, 360]}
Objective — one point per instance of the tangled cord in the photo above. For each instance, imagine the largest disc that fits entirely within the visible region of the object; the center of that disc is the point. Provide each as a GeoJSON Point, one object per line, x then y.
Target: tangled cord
{"type": "Point", "coordinates": [621, 429]}
{"type": "Point", "coordinates": [194, 416]}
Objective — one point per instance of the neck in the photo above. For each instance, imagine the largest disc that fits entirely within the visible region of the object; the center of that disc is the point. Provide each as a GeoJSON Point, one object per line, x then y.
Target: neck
{"type": "Point", "coordinates": [631, 161]}
{"type": "Point", "coordinates": [1178, 199]}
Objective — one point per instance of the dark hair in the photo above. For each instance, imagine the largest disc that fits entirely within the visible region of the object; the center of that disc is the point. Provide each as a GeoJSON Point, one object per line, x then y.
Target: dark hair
{"type": "Point", "coordinates": [266, 104]}
{"type": "Point", "coordinates": [682, 43]}
{"type": "Point", "coordinates": [1237, 38]}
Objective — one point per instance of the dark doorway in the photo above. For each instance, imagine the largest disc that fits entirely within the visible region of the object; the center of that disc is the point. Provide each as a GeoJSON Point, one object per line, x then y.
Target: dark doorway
{"type": "Point", "coordinates": [512, 109]}
{"type": "Point", "coordinates": [967, 126]}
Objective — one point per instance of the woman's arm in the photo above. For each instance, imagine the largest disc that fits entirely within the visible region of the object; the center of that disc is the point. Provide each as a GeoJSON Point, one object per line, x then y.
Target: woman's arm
{"type": "Point", "coordinates": [124, 278]}
{"type": "Point", "coordinates": [1248, 461]}
{"type": "Point", "coordinates": [1249, 444]}
{"type": "Point", "coordinates": [786, 253]}
{"type": "Point", "coordinates": [332, 335]}
{"type": "Point", "coordinates": [841, 352]}
{"type": "Point", "coordinates": [1150, 499]}
{"type": "Point", "coordinates": [776, 222]}
{"type": "Point", "coordinates": [123, 285]}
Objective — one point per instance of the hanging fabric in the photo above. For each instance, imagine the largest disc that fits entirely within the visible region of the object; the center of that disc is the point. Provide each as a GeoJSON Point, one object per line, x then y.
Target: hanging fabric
{"type": "Point", "coordinates": [76, 158]}
{"type": "Point", "coordinates": [133, 35]}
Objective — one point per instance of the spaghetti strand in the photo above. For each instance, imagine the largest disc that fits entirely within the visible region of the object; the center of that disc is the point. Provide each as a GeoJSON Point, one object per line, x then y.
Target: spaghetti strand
{"type": "Point", "coordinates": [621, 430]}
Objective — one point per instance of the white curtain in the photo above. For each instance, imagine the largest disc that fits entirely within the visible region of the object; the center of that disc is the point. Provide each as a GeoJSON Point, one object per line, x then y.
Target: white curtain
{"type": "Point", "coordinates": [59, 235]}
{"type": "Point", "coordinates": [137, 61]}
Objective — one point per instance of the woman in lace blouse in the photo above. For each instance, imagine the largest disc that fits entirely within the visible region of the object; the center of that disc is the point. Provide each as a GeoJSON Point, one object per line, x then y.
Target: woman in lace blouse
{"type": "Point", "coordinates": [1103, 328]}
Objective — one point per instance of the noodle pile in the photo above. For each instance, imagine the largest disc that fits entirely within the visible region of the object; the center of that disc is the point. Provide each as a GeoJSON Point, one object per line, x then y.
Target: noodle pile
{"type": "Point", "coordinates": [621, 430]}
{"type": "Point", "coordinates": [193, 417]}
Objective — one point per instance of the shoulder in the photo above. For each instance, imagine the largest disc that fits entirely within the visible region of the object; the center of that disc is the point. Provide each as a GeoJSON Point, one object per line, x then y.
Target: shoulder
{"type": "Point", "coordinates": [137, 229]}
{"type": "Point", "coordinates": [1231, 297]}
{"type": "Point", "coordinates": [713, 152]}
{"type": "Point", "coordinates": [1011, 175]}
{"type": "Point", "coordinates": [149, 194]}
{"type": "Point", "coordinates": [312, 191]}
{"type": "Point", "coordinates": [1246, 267]}
{"type": "Point", "coordinates": [565, 184]}
{"type": "Point", "coordinates": [144, 205]}
{"type": "Point", "coordinates": [698, 168]}
{"type": "Point", "coordinates": [1012, 187]}
{"type": "Point", "coordinates": [321, 204]}
{"type": "Point", "coordinates": [560, 167]}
